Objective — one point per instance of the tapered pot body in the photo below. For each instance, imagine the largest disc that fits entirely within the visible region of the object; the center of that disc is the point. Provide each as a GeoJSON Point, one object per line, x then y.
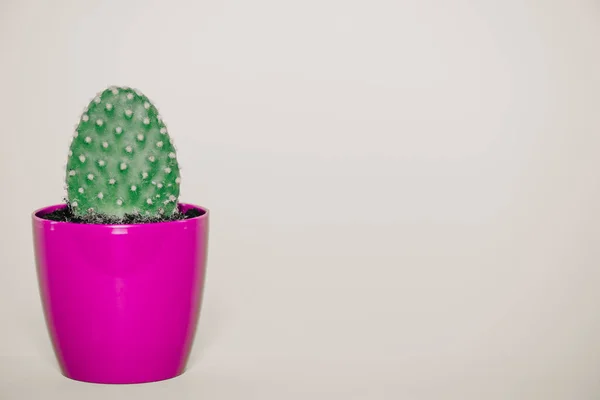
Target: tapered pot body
{"type": "Point", "coordinates": [121, 302]}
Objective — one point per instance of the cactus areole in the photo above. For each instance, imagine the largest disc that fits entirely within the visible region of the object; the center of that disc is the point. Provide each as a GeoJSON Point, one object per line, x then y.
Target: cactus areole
{"type": "Point", "coordinates": [122, 166]}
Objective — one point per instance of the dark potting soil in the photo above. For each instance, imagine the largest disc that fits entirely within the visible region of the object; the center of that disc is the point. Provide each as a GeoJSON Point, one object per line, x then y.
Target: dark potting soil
{"type": "Point", "coordinates": [66, 215]}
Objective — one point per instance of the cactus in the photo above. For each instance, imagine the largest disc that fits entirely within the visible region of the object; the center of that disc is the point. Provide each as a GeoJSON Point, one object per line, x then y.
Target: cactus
{"type": "Point", "coordinates": [122, 161]}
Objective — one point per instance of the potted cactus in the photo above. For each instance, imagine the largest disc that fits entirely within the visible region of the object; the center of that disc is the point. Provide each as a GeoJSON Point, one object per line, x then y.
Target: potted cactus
{"type": "Point", "coordinates": [121, 263]}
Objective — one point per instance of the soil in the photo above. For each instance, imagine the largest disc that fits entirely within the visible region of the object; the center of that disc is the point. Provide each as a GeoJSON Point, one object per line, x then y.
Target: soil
{"type": "Point", "coordinates": [66, 215]}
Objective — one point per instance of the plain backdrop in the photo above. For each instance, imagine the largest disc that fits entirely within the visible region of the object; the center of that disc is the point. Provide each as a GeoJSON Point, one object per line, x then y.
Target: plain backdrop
{"type": "Point", "coordinates": [404, 195]}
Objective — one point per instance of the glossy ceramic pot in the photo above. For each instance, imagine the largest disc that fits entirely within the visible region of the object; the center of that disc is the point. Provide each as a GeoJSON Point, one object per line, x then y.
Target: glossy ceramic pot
{"type": "Point", "coordinates": [121, 302]}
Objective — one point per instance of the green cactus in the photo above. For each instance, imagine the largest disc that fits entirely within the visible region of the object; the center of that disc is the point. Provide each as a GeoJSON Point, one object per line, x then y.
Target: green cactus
{"type": "Point", "coordinates": [121, 160]}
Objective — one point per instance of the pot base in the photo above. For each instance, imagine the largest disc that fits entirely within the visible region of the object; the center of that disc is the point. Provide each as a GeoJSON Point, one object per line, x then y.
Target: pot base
{"type": "Point", "coordinates": [133, 381]}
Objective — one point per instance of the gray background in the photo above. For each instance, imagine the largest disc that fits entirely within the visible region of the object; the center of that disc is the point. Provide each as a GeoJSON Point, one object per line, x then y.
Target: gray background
{"type": "Point", "coordinates": [404, 194]}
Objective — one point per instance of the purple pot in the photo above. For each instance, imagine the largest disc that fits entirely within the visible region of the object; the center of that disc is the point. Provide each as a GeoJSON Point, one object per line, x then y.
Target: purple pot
{"type": "Point", "coordinates": [121, 302]}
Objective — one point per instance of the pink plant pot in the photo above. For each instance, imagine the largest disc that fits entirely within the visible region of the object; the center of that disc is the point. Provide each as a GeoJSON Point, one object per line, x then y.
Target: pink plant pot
{"type": "Point", "coordinates": [121, 302]}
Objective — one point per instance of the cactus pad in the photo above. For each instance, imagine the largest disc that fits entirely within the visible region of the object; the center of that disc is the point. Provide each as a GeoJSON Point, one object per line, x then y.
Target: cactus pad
{"type": "Point", "coordinates": [121, 160]}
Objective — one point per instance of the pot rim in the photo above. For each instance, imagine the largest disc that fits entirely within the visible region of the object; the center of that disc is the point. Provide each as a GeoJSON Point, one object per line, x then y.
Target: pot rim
{"type": "Point", "coordinates": [37, 218]}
